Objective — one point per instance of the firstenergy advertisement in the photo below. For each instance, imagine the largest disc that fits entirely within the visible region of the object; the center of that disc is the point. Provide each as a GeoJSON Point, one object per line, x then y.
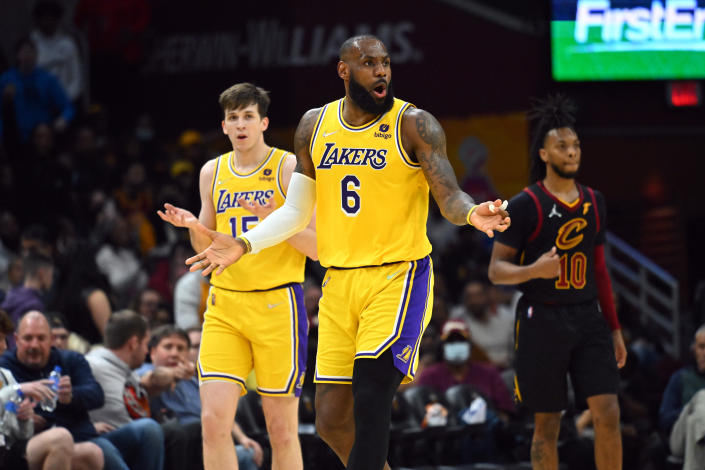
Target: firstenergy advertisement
{"type": "Point", "coordinates": [628, 39]}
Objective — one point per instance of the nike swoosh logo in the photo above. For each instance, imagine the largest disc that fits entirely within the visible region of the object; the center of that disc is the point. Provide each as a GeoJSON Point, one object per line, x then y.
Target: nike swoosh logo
{"type": "Point", "coordinates": [274, 305]}
{"type": "Point", "coordinates": [326, 134]}
{"type": "Point", "coordinates": [393, 275]}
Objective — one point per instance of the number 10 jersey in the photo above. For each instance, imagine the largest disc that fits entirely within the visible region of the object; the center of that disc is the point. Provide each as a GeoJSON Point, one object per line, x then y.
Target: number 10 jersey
{"type": "Point", "coordinates": [372, 199]}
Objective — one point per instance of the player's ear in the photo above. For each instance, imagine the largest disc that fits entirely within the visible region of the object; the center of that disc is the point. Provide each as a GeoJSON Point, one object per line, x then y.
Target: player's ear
{"type": "Point", "coordinates": [543, 154]}
{"type": "Point", "coordinates": [343, 70]}
{"type": "Point", "coordinates": [222, 124]}
{"type": "Point", "coordinates": [265, 123]}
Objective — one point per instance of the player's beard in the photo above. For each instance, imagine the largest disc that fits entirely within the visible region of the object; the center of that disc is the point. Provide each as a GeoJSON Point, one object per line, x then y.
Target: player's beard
{"type": "Point", "coordinates": [569, 175]}
{"type": "Point", "coordinates": [366, 102]}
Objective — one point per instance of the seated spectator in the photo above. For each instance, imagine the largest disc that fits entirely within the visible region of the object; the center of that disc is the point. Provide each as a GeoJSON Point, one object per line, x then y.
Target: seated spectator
{"type": "Point", "coordinates": [127, 396]}
{"type": "Point", "coordinates": [682, 413]}
{"type": "Point", "coordinates": [35, 95]}
{"type": "Point", "coordinates": [169, 349]}
{"type": "Point", "coordinates": [491, 326]}
{"type": "Point", "coordinates": [78, 393]}
{"type": "Point", "coordinates": [457, 368]}
{"type": "Point", "coordinates": [62, 338]}
{"type": "Point", "coordinates": [38, 278]}
{"type": "Point", "coordinates": [150, 304]}
{"type": "Point", "coordinates": [49, 449]}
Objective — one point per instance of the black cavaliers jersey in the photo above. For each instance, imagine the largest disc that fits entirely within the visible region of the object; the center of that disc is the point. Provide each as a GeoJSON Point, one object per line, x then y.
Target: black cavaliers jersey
{"type": "Point", "coordinates": [540, 221]}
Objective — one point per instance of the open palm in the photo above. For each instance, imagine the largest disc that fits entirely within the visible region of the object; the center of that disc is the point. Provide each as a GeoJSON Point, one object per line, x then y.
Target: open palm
{"type": "Point", "coordinates": [223, 251]}
{"type": "Point", "coordinates": [177, 216]}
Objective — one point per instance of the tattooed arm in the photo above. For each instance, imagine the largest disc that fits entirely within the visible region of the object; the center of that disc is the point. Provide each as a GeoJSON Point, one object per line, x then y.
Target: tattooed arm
{"type": "Point", "coordinates": [424, 140]}
{"type": "Point", "coordinates": [302, 143]}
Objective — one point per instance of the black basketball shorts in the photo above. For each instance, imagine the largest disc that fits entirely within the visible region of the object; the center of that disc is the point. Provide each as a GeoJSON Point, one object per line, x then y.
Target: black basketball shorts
{"type": "Point", "coordinates": [554, 342]}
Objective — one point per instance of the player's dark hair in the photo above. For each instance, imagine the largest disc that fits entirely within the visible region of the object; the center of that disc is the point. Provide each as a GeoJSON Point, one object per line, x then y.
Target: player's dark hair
{"type": "Point", "coordinates": [553, 112]}
{"type": "Point", "coordinates": [242, 95]}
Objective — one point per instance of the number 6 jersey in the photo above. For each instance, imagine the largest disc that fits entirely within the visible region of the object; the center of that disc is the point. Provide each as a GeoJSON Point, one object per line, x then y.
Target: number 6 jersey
{"type": "Point", "coordinates": [371, 198]}
{"type": "Point", "coordinates": [540, 221]}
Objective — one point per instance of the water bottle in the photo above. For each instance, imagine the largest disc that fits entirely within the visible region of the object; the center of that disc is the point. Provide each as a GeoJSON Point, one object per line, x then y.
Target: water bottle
{"type": "Point", "coordinates": [9, 418]}
{"type": "Point", "coordinates": [49, 404]}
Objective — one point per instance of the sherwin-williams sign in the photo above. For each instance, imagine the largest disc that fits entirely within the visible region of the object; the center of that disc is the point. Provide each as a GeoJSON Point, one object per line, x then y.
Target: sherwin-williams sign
{"type": "Point", "coordinates": [628, 39]}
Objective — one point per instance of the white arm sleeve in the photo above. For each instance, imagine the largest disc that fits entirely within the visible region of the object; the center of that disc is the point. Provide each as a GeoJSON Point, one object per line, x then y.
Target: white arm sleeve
{"type": "Point", "coordinates": [289, 219]}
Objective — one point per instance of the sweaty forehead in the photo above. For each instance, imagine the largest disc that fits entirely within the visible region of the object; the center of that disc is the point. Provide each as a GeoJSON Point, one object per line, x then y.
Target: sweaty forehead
{"type": "Point", "coordinates": [368, 47]}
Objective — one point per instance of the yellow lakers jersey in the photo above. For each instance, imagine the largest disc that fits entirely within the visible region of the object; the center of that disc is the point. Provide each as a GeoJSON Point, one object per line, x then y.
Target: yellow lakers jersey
{"type": "Point", "coordinates": [371, 198]}
{"type": "Point", "coordinates": [273, 266]}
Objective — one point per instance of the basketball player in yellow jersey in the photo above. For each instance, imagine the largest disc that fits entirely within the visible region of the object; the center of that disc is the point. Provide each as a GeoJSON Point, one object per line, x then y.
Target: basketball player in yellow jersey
{"type": "Point", "coordinates": [255, 316]}
{"type": "Point", "coordinates": [366, 162]}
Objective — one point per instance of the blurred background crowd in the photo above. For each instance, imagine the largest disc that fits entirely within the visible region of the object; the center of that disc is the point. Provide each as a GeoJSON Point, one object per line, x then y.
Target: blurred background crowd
{"type": "Point", "coordinates": [85, 162]}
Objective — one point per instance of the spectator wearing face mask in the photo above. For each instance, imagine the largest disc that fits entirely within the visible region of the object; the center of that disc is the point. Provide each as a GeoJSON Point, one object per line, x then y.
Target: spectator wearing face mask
{"type": "Point", "coordinates": [457, 368]}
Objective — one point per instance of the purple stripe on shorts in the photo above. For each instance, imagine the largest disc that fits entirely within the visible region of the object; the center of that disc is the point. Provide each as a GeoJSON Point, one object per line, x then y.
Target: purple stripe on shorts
{"type": "Point", "coordinates": [404, 348]}
{"type": "Point", "coordinates": [303, 337]}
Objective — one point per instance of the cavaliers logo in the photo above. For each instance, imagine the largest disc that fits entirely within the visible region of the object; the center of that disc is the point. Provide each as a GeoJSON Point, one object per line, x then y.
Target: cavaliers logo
{"type": "Point", "coordinates": [569, 235]}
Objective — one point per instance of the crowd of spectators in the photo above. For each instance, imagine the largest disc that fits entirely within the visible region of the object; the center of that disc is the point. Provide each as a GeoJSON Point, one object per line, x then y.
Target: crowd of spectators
{"type": "Point", "coordinates": [92, 281]}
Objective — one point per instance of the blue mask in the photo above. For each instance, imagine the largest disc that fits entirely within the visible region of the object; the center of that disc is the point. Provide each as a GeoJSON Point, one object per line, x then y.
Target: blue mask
{"type": "Point", "coordinates": [456, 352]}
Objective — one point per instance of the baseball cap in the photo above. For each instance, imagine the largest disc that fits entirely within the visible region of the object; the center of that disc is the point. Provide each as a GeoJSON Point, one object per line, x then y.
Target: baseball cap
{"type": "Point", "coordinates": [454, 326]}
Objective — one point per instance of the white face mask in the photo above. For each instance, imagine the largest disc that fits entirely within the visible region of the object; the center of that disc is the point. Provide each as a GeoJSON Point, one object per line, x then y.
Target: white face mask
{"type": "Point", "coordinates": [457, 352]}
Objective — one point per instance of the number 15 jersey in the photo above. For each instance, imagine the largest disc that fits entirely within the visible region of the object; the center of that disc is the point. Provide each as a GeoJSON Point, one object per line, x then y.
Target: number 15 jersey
{"type": "Point", "coordinates": [372, 199]}
{"type": "Point", "coordinates": [274, 266]}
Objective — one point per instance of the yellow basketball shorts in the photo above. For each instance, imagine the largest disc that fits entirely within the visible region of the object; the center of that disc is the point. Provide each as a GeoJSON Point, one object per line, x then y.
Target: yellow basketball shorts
{"type": "Point", "coordinates": [264, 330]}
{"type": "Point", "coordinates": [365, 311]}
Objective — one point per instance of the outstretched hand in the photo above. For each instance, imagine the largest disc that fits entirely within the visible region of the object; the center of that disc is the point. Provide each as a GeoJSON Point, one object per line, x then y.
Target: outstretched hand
{"type": "Point", "coordinates": [257, 208]}
{"type": "Point", "coordinates": [177, 216]}
{"type": "Point", "coordinates": [223, 251]}
{"type": "Point", "coordinates": [490, 216]}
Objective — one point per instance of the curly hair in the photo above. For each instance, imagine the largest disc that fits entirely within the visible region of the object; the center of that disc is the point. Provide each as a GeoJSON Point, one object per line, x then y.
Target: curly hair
{"type": "Point", "coordinates": [553, 112]}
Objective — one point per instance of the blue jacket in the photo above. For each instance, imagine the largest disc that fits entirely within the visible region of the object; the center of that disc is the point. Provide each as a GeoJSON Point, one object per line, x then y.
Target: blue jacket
{"type": "Point", "coordinates": [87, 393]}
{"type": "Point", "coordinates": [682, 385]}
{"type": "Point", "coordinates": [38, 99]}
